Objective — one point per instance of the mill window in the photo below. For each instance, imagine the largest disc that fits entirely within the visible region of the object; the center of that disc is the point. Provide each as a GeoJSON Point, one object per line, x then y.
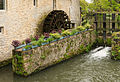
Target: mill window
{"type": "Point", "coordinates": [1, 30]}
{"type": "Point", "coordinates": [2, 4]}
{"type": "Point", "coordinates": [34, 2]}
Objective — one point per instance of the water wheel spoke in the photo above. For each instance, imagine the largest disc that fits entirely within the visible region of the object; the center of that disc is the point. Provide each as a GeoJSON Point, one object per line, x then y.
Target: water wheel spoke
{"type": "Point", "coordinates": [57, 19]}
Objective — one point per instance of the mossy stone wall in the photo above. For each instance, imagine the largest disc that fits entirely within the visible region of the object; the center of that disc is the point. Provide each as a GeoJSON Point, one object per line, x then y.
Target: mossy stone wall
{"type": "Point", "coordinates": [27, 62]}
{"type": "Point", "coordinates": [116, 46]}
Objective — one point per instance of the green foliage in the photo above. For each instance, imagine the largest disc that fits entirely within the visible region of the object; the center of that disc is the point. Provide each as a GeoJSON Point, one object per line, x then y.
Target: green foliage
{"type": "Point", "coordinates": [100, 41]}
{"type": "Point", "coordinates": [80, 28]}
{"type": "Point", "coordinates": [73, 31]}
{"type": "Point", "coordinates": [40, 41]}
{"type": "Point", "coordinates": [99, 5]}
{"type": "Point", "coordinates": [87, 25]}
{"type": "Point", "coordinates": [66, 33]}
{"type": "Point", "coordinates": [34, 43]}
{"type": "Point", "coordinates": [50, 39]}
{"type": "Point", "coordinates": [88, 48]}
{"type": "Point", "coordinates": [55, 35]}
{"type": "Point", "coordinates": [84, 22]}
{"type": "Point", "coordinates": [108, 42]}
{"type": "Point", "coordinates": [23, 42]}
{"type": "Point", "coordinates": [84, 6]}
{"type": "Point", "coordinates": [28, 46]}
{"type": "Point", "coordinates": [32, 38]}
{"type": "Point", "coordinates": [114, 53]}
{"type": "Point", "coordinates": [42, 37]}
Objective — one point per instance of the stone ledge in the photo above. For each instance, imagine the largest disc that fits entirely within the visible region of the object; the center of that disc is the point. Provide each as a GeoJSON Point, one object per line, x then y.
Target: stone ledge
{"type": "Point", "coordinates": [26, 62]}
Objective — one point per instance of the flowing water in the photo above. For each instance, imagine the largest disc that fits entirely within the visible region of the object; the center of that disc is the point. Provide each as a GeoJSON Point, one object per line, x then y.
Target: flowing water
{"type": "Point", "coordinates": [93, 67]}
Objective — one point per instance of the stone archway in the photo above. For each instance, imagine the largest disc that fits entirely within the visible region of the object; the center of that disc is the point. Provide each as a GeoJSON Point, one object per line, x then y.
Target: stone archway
{"type": "Point", "coordinates": [56, 19]}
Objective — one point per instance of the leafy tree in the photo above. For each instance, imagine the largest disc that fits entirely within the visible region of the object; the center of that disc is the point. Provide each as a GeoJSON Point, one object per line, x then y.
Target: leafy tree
{"type": "Point", "coordinates": [100, 5]}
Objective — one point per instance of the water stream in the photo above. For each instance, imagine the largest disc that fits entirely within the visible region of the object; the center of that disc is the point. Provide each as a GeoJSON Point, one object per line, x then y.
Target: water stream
{"type": "Point", "coordinates": [95, 66]}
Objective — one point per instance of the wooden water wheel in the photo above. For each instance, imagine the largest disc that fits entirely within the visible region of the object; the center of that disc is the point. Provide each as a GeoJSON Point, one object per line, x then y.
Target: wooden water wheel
{"type": "Point", "coordinates": [57, 19]}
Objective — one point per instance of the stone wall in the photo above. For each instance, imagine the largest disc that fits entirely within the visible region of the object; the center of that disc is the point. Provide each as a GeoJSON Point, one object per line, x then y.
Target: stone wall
{"type": "Point", "coordinates": [20, 19]}
{"type": "Point", "coordinates": [27, 62]}
{"type": "Point", "coordinates": [115, 46]}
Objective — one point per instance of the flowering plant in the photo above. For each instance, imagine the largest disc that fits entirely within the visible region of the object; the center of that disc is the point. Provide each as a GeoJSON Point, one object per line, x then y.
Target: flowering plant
{"type": "Point", "coordinates": [28, 40]}
{"type": "Point", "coordinates": [16, 43]}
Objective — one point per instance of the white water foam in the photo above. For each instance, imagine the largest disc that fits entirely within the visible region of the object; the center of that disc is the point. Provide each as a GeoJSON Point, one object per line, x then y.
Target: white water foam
{"type": "Point", "coordinates": [99, 54]}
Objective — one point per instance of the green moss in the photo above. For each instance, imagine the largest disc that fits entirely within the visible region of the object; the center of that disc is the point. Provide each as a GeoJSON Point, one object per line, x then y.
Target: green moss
{"type": "Point", "coordinates": [68, 47]}
{"type": "Point", "coordinates": [66, 56]}
{"type": "Point", "coordinates": [43, 57]}
{"type": "Point", "coordinates": [59, 48]}
{"type": "Point", "coordinates": [18, 64]}
{"type": "Point", "coordinates": [31, 55]}
{"type": "Point", "coordinates": [88, 48]}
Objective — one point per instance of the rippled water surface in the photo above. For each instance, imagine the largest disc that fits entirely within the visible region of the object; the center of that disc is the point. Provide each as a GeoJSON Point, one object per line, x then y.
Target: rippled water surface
{"type": "Point", "coordinates": [93, 67]}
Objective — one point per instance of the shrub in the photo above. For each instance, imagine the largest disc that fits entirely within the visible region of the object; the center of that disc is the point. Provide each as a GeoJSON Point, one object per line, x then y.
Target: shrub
{"type": "Point", "coordinates": [108, 42]}
{"type": "Point", "coordinates": [65, 33]}
{"type": "Point", "coordinates": [42, 37]}
{"type": "Point", "coordinates": [87, 26]}
{"type": "Point", "coordinates": [55, 35]}
{"type": "Point", "coordinates": [73, 31]}
{"type": "Point", "coordinates": [28, 47]}
{"type": "Point", "coordinates": [32, 38]}
{"type": "Point", "coordinates": [84, 22]}
{"type": "Point", "coordinates": [28, 40]}
{"type": "Point", "coordinates": [50, 39]}
{"type": "Point", "coordinates": [34, 43]}
{"type": "Point", "coordinates": [16, 43]}
{"type": "Point", "coordinates": [100, 41]}
{"type": "Point", "coordinates": [23, 42]}
{"type": "Point", "coordinates": [80, 28]}
{"type": "Point", "coordinates": [40, 41]}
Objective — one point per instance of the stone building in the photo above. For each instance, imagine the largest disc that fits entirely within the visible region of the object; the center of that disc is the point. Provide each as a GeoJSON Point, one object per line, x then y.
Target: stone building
{"type": "Point", "coordinates": [19, 19]}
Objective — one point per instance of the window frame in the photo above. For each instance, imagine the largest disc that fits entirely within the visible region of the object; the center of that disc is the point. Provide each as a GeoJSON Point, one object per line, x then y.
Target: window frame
{"type": "Point", "coordinates": [1, 29]}
{"type": "Point", "coordinates": [35, 3]}
{"type": "Point", "coordinates": [4, 6]}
